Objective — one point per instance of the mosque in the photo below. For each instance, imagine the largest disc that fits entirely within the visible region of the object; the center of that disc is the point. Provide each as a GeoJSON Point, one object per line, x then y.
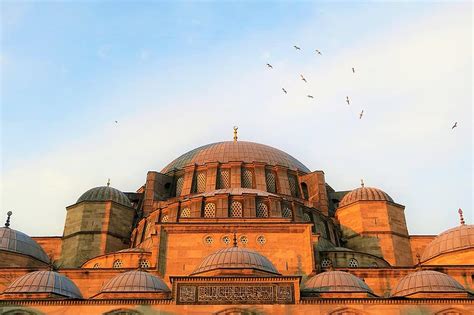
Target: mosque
{"type": "Point", "coordinates": [236, 227]}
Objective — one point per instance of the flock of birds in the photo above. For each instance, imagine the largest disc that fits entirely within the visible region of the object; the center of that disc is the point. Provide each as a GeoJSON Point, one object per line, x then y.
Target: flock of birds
{"type": "Point", "coordinates": [348, 101]}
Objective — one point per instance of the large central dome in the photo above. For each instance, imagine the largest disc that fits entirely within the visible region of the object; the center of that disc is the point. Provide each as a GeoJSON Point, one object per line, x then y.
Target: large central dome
{"type": "Point", "coordinates": [242, 151]}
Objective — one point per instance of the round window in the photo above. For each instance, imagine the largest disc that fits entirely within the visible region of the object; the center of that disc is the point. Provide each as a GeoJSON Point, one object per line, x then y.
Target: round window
{"type": "Point", "coordinates": [261, 240]}
{"type": "Point", "coordinates": [226, 240]}
{"type": "Point", "coordinates": [208, 240]}
{"type": "Point", "coordinates": [244, 239]}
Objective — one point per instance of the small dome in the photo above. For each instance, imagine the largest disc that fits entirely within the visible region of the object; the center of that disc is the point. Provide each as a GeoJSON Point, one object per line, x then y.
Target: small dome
{"type": "Point", "coordinates": [364, 194]}
{"type": "Point", "coordinates": [460, 237]}
{"type": "Point", "coordinates": [235, 258]}
{"type": "Point", "coordinates": [427, 281]}
{"type": "Point", "coordinates": [335, 281]}
{"type": "Point", "coordinates": [18, 242]}
{"type": "Point", "coordinates": [105, 193]}
{"type": "Point", "coordinates": [44, 282]}
{"type": "Point", "coordinates": [134, 281]}
{"type": "Point", "coordinates": [230, 151]}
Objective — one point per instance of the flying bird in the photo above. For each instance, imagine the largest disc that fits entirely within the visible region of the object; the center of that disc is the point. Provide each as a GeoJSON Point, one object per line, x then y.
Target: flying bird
{"type": "Point", "coordinates": [296, 47]}
{"type": "Point", "coordinates": [116, 121]}
{"type": "Point", "coordinates": [302, 78]}
{"type": "Point", "coordinates": [310, 96]}
{"type": "Point", "coordinates": [348, 101]}
{"type": "Point", "coordinates": [455, 125]}
{"type": "Point", "coordinates": [353, 70]}
{"type": "Point", "coordinates": [361, 114]}
{"type": "Point", "coordinates": [269, 66]}
{"type": "Point", "coordinates": [319, 53]}
{"type": "Point", "coordinates": [283, 89]}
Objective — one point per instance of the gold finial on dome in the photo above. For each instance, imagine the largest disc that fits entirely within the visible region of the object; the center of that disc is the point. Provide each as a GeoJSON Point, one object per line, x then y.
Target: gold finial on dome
{"type": "Point", "coordinates": [235, 133]}
{"type": "Point", "coordinates": [108, 182]}
{"type": "Point", "coordinates": [362, 183]}
{"type": "Point", "coordinates": [9, 214]}
{"type": "Point", "coordinates": [461, 217]}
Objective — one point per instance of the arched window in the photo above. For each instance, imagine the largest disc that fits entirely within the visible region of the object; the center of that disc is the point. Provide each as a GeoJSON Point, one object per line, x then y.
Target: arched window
{"type": "Point", "coordinates": [165, 218]}
{"type": "Point", "coordinates": [286, 212]}
{"type": "Point", "coordinates": [96, 265]}
{"type": "Point", "coordinates": [326, 262]}
{"type": "Point", "coordinates": [200, 182]}
{"type": "Point", "coordinates": [179, 185]}
{"type": "Point", "coordinates": [118, 263]}
{"type": "Point", "coordinates": [210, 210]}
{"type": "Point", "coordinates": [247, 178]}
{"type": "Point", "coordinates": [262, 210]}
{"type": "Point", "coordinates": [270, 178]}
{"type": "Point", "coordinates": [236, 209]}
{"type": "Point", "coordinates": [144, 263]}
{"type": "Point", "coordinates": [353, 263]}
{"type": "Point", "coordinates": [223, 178]}
{"type": "Point", "coordinates": [304, 188]}
{"type": "Point", "coordinates": [306, 217]}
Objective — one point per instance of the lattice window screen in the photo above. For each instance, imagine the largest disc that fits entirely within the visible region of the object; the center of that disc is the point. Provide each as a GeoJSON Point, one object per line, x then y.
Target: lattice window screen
{"type": "Point", "coordinates": [236, 209]}
{"type": "Point", "coordinates": [286, 212]}
{"type": "Point", "coordinates": [186, 213]}
{"type": "Point", "coordinates": [223, 178]}
{"type": "Point", "coordinates": [247, 178]}
{"type": "Point", "coordinates": [306, 217]}
{"type": "Point", "coordinates": [262, 210]}
{"type": "Point", "coordinates": [271, 181]}
{"type": "Point", "coordinates": [118, 264]}
{"type": "Point", "coordinates": [200, 182]}
{"type": "Point", "coordinates": [353, 263]}
{"type": "Point", "coordinates": [144, 263]}
{"type": "Point", "coordinates": [210, 210]}
{"type": "Point", "coordinates": [293, 185]}
{"type": "Point", "coordinates": [165, 218]}
{"type": "Point", "coordinates": [179, 185]}
{"type": "Point", "coordinates": [326, 262]}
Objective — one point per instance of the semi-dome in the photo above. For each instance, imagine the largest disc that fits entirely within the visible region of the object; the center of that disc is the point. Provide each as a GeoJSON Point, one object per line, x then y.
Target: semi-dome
{"type": "Point", "coordinates": [105, 193]}
{"type": "Point", "coordinates": [364, 194]}
{"type": "Point", "coordinates": [427, 281]}
{"type": "Point", "coordinates": [232, 258]}
{"type": "Point", "coordinates": [44, 282]}
{"type": "Point", "coordinates": [242, 151]}
{"type": "Point", "coordinates": [135, 281]}
{"type": "Point", "coordinates": [458, 238]}
{"type": "Point", "coordinates": [336, 281]}
{"type": "Point", "coordinates": [15, 241]}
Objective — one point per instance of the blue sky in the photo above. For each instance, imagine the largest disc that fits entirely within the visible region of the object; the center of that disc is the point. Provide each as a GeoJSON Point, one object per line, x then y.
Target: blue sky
{"type": "Point", "coordinates": [177, 75]}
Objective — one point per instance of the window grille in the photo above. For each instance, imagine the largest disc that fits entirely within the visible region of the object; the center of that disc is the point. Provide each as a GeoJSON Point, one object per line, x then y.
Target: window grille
{"type": "Point", "coordinates": [179, 185]}
{"type": "Point", "coordinates": [165, 218]}
{"type": "Point", "coordinates": [326, 262]}
{"type": "Point", "coordinates": [286, 212]}
{"type": "Point", "coordinates": [236, 209]}
{"type": "Point", "coordinates": [118, 263]}
{"type": "Point", "coordinates": [244, 239]}
{"type": "Point", "coordinates": [353, 263]}
{"type": "Point", "coordinates": [144, 263]}
{"type": "Point", "coordinates": [262, 210]}
{"type": "Point", "coordinates": [247, 178]}
{"type": "Point", "coordinates": [306, 217]}
{"type": "Point", "coordinates": [271, 181]}
{"type": "Point", "coordinates": [200, 182]}
{"type": "Point", "coordinates": [261, 240]}
{"type": "Point", "coordinates": [96, 265]}
{"type": "Point", "coordinates": [223, 178]}
{"type": "Point", "coordinates": [293, 185]}
{"type": "Point", "coordinates": [210, 210]}
{"type": "Point", "coordinates": [186, 213]}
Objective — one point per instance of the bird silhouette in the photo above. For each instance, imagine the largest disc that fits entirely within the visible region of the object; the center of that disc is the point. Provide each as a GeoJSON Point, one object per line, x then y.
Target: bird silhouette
{"type": "Point", "coordinates": [116, 121]}
{"type": "Point", "coordinates": [361, 114]}
{"type": "Point", "coordinates": [296, 47]}
{"type": "Point", "coordinates": [455, 125]}
{"type": "Point", "coordinates": [348, 101]}
{"type": "Point", "coordinates": [283, 89]}
{"type": "Point", "coordinates": [319, 53]}
{"type": "Point", "coordinates": [303, 78]}
{"type": "Point", "coordinates": [353, 70]}
{"type": "Point", "coordinates": [310, 96]}
{"type": "Point", "coordinates": [269, 66]}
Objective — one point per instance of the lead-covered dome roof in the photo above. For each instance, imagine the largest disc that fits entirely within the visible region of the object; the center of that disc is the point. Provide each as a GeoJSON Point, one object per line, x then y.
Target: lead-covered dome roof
{"type": "Point", "coordinates": [242, 151]}
{"type": "Point", "coordinates": [427, 281]}
{"type": "Point", "coordinates": [135, 281]}
{"type": "Point", "coordinates": [236, 258]}
{"type": "Point", "coordinates": [335, 281]}
{"type": "Point", "coordinates": [458, 238]}
{"type": "Point", "coordinates": [364, 194]}
{"type": "Point", "coordinates": [15, 241]}
{"type": "Point", "coordinates": [44, 282]}
{"type": "Point", "coordinates": [105, 193]}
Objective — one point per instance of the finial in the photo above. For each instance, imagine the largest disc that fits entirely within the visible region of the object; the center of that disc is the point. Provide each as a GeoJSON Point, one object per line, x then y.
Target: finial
{"type": "Point", "coordinates": [461, 217]}
{"type": "Point", "coordinates": [235, 133]}
{"type": "Point", "coordinates": [108, 182]}
{"type": "Point", "coordinates": [362, 183]}
{"type": "Point", "coordinates": [9, 214]}
{"type": "Point", "coordinates": [235, 239]}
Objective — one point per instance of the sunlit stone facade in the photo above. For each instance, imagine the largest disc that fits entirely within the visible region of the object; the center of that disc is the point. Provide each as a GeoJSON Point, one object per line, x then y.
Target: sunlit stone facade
{"type": "Point", "coordinates": [236, 228]}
